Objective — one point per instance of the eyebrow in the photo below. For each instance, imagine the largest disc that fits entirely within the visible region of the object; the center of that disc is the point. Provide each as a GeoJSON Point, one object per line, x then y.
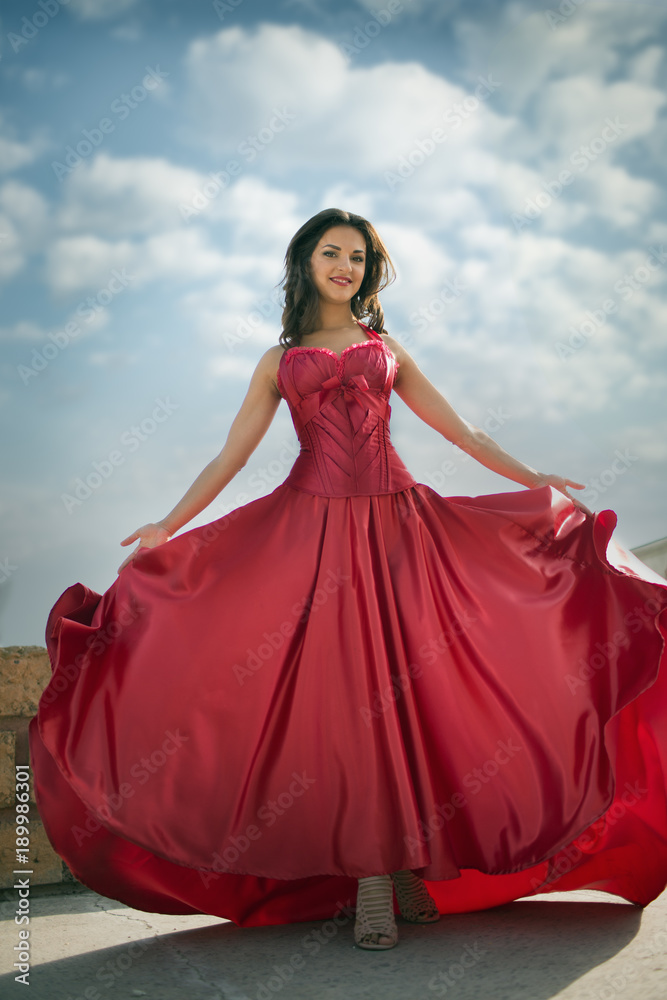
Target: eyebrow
{"type": "Point", "coordinates": [338, 248]}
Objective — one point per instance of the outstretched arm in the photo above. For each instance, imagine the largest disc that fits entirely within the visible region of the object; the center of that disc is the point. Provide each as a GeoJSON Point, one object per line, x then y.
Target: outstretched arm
{"type": "Point", "coordinates": [247, 430]}
{"type": "Point", "coordinates": [431, 406]}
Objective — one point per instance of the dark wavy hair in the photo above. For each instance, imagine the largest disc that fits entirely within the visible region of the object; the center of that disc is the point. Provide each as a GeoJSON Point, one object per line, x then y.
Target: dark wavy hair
{"type": "Point", "coordinates": [301, 310]}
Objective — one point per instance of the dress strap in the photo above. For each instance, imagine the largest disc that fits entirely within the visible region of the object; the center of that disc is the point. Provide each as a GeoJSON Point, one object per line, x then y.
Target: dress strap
{"type": "Point", "coordinates": [373, 333]}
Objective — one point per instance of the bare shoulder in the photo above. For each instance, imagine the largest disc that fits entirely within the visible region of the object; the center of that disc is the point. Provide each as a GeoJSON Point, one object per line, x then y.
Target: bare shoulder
{"type": "Point", "coordinates": [399, 352]}
{"type": "Point", "coordinates": [267, 366]}
{"type": "Point", "coordinates": [272, 355]}
{"type": "Point", "coordinates": [265, 375]}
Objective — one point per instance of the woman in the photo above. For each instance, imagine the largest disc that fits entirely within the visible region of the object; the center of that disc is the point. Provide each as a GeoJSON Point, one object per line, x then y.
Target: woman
{"type": "Point", "coordinates": [358, 678]}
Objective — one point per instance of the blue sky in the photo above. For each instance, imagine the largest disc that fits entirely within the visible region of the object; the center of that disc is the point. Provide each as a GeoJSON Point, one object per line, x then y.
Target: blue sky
{"type": "Point", "coordinates": [156, 158]}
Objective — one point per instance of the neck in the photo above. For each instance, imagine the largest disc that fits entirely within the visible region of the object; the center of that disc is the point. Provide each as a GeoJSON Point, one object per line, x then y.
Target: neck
{"type": "Point", "coordinates": [335, 317]}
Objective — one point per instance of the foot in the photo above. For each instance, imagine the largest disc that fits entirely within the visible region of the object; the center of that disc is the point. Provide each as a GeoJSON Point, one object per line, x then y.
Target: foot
{"type": "Point", "coordinates": [414, 900]}
{"type": "Point", "coordinates": [375, 927]}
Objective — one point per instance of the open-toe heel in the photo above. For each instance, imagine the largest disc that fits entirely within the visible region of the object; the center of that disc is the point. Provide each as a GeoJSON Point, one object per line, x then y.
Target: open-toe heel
{"type": "Point", "coordinates": [375, 927]}
{"type": "Point", "coordinates": [414, 900]}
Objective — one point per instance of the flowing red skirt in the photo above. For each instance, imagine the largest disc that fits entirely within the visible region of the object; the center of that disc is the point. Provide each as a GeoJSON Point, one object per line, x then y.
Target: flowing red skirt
{"type": "Point", "coordinates": [314, 689]}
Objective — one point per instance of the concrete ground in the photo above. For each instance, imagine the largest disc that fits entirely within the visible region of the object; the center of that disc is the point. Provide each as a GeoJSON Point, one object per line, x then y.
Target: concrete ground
{"type": "Point", "coordinates": [581, 945]}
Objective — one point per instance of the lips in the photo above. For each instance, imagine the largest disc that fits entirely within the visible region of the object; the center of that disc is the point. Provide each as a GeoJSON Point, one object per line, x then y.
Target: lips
{"type": "Point", "coordinates": [341, 281]}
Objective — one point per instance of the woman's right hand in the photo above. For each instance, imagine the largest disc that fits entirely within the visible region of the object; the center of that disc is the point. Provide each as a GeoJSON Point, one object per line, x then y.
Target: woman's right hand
{"type": "Point", "coordinates": [150, 536]}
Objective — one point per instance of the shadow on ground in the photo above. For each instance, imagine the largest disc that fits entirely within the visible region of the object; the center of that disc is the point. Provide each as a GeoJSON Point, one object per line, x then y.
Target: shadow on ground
{"type": "Point", "coordinates": [524, 950]}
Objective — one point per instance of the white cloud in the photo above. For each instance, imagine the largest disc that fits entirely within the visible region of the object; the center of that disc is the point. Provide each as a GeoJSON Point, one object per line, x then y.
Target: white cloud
{"type": "Point", "coordinates": [112, 359]}
{"type": "Point", "coordinates": [23, 330]}
{"type": "Point", "coordinates": [625, 201]}
{"type": "Point", "coordinates": [78, 263]}
{"type": "Point", "coordinates": [115, 196]}
{"type": "Point", "coordinates": [236, 369]}
{"type": "Point", "coordinates": [257, 213]}
{"type": "Point", "coordinates": [40, 80]}
{"type": "Point", "coordinates": [14, 155]}
{"type": "Point", "coordinates": [139, 196]}
{"type": "Point", "coordinates": [28, 210]}
{"type": "Point", "coordinates": [644, 67]}
{"type": "Point", "coordinates": [99, 10]}
{"type": "Point", "coordinates": [239, 75]}
{"type": "Point", "coordinates": [577, 110]}
{"type": "Point", "coordinates": [246, 85]}
{"type": "Point", "coordinates": [178, 255]}
{"type": "Point", "coordinates": [23, 226]}
{"type": "Point", "coordinates": [375, 123]}
{"type": "Point", "coordinates": [87, 262]}
{"type": "Point", "coordinates": [128, 32]}
{"type": "Point", "coordinates": [517, 298]}
{"type": "Point", "coordinates": [437, 223]}
{"type": "Point", "coordinates": [11, 256]}
{"type": "Point", "coordinates": [527, 51]}
{"type": "Point", "coordinates": [649, 443]}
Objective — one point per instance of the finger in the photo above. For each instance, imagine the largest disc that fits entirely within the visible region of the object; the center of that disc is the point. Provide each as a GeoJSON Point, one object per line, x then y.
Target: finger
{"type": "Point", "coordinates": [129, 559]}
{"type": "Point", "coordinates": [130, 538]}
{"type": "Point", "coordinates": [576, 486]}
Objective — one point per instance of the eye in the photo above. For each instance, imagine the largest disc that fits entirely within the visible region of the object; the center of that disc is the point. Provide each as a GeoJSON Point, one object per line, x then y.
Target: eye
{"type": "Point", "coordinates": [326, 252]}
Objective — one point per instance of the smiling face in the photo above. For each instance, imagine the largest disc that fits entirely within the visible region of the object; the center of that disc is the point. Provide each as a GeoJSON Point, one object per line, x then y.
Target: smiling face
{"type": "Point", "coordinates": [338, 264]}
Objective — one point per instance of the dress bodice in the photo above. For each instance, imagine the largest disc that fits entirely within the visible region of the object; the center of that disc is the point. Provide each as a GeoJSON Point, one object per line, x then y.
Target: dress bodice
{"type": "Point", "coordinates": [340, 410]}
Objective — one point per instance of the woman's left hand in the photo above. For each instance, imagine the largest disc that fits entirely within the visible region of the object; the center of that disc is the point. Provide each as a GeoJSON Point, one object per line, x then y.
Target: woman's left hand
{"type": "Point", "coordinates": [561, 484]}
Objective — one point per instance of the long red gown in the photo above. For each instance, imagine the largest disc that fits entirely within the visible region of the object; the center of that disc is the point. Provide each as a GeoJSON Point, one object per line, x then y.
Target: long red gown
{"type": "Point", "coordinates": [354, 675]}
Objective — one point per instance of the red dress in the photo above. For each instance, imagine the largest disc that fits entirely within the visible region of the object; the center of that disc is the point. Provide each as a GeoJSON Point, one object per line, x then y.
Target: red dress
{"type": "Point", "coordinates": [354, 675]}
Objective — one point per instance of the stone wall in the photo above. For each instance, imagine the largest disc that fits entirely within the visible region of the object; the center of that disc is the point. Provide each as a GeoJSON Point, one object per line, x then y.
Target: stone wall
{"type": "Point", "coordinates": [24, 673]}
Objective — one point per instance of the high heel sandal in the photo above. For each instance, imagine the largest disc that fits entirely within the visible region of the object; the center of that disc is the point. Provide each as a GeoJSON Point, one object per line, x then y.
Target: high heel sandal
{"type": "Point", "coordinates": [375, 914]}
{"type": "Point", "coordinates": [414, 900]}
